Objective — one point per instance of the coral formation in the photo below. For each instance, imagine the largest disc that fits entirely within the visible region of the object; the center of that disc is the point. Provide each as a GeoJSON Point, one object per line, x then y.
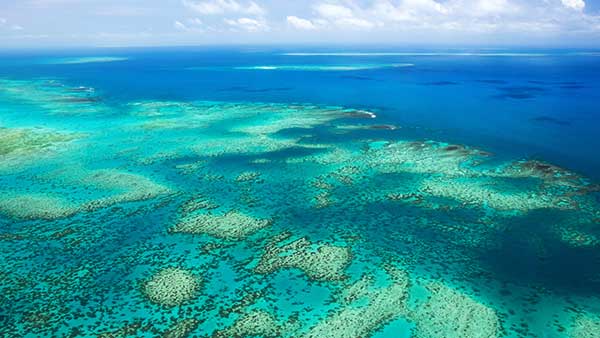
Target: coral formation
{"type": "Point", "coordinates": [36, 206]}
{"type": "Point", "coordinates": [111, 186]}
{"type": "Point", "coordinates": [585, 326]}
{"type": "Point", "coordinates": [232, 225]}
{"type": "Point", "coordinates": [54, 98]}
{"type": "Point", "coordinates": [248, 145]}
{"type": "Point", "coordinates": [319, 261]}
{"type": "Point", "coordinates": [449, 313]}
{"type": "Point", "coordinates": [478, 192]}
{"type": "Point", "coordinates": [20, 141]}
{"type": "Point", "coordinates": [248, 176]}
{"type": "Point", "coordinates": [579, 236]}
{"type": "Point", "coordinates": [195, 203]}
{"type": "Point", "coordinates": [87, 59]}
{"type": "Point", "coordinates": [248, 163]}
{"type": "Point", "coordinates": [24, 147]}
{"type": "Point", "coordinates": [127, 330]}
{"type": "Point", "coordinates": [424, 158]}
{"type": "Point", "coordinates": [549, 173]}
{"type": "Point", "coordinates": [276, 118]}
{"type": "Point", "coordinates": [171, 287]}
{"type": "Point", "coordinates": [190, 168]}
{"type": "Point", "coordinates": [256, 118]}
{"type": "Point", "coordinates": [182, 328]}
{"type": "Point", "coordinates": [257, 323]}
{"type": "Point", "coordinates": [366, 308]}
{"type": "Point", "coordinates": [125, 187]}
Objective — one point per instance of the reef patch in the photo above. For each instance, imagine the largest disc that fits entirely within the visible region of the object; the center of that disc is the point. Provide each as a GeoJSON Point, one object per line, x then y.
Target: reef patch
{"type": "Point", "coordinates": [318, 261]}
{"type": "Point", "coordinates": [232, 225]}
{"type": "Point", "coordinates": [172, 287]}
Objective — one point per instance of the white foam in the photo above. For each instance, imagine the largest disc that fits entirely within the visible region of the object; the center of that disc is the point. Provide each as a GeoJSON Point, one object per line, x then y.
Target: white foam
{"type": "Point", "coordinates": [368, 113]}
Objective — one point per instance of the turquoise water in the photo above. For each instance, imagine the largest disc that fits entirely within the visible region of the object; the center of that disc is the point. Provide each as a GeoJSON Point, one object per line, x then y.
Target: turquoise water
{"type": "Point", "coordinates": [299, 193]}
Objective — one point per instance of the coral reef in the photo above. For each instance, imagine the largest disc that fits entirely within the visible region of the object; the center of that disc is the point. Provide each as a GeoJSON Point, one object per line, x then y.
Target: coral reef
{"type": "Point", "coordinates": [478, 192]}
{"type": "Point", "coordinates": [190, 168]}
{"type": "Point", "coordinates": [126, 187]}
{"type": "Point", "coordinates": [585, 326]}
{"type": "Point", "coordinates": [319, 261]}
{"type": "Point", "coordinates": [195, 203]}
{"type": "Point", "coordinates": [248, 145]}
{"type": "Point", "coordinates": [257, 323]}
{"type": "Point", "coordinates": [87, 59]}
{"type": "Point", "coordinates": [127, 330]}
{"type": "Point", "coordinates": [580, 236]}
{"type": "Point", "coordinates": [24, 147]}
{"type": "Point", "coordinates": [20, 141]}
{"type": "Point", "coordinates": [36, 206]}
{"type": "Point", "coordinates": [248, 176]}
{"type": "Point", "coordinates": [171, 287]}
{"type": "Point", "coordinates": [232, 225]}
{"type": "Point", "coordinates": [277, 118]}
{"type": "Point", "coordinates": [111, 186]}
{"type": "Point", "coordinates": [347, 198]}
{"type": "Point", "coordinates": [255, 118]}
{"type": "Point", "coordinates": [366, 308]}
{"type": "Point", "coordinates": [182, 328]}
{"type": "Point", "coordinates": [549, 173]}
{"type": "Point", "coordinates": [54, 98]}
{"type": "Point", "coordinates": [424, 158]}
{"type": "Point", "coordinates": [448, 313]}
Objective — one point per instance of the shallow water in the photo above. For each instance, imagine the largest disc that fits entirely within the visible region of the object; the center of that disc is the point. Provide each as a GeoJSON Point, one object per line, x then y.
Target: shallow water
{"type": "Point", "coordinates": [194, 192]}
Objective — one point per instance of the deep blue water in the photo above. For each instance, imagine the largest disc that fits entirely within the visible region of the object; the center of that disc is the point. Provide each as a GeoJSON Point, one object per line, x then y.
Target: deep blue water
{"type": "Point", "coordinates": [477, 178]}
{"type": "Point", "coordinates": [537, 103]}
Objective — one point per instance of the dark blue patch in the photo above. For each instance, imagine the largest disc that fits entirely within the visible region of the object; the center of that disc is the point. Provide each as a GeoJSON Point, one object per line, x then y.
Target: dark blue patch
{"type": "Point", "coordinates": [549, 119]}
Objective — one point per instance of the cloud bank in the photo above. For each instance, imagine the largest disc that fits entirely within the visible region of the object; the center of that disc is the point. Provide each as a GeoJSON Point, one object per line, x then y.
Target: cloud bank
{"type": "Point", "coordinates": [470, 16]}
{"type": "Point", "coordinates": [159, 22]}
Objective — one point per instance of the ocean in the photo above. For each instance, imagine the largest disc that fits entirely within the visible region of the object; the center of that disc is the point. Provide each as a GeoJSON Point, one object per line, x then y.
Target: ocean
{"type": "Point", "coordinates": [299, 191]}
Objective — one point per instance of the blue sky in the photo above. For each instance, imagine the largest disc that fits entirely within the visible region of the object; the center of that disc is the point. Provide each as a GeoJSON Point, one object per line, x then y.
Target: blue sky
{"type": "Point", "coordinates": [69, 23]}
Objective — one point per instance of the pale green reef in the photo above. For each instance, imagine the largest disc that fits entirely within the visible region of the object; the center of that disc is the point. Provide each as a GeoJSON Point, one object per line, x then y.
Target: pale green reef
{"type": "Point", "coordinates": [335, 68]}
{"type": "Point", "coordinates": [252, 219]}
{"type": "Point", "coordinates": [82, 60]}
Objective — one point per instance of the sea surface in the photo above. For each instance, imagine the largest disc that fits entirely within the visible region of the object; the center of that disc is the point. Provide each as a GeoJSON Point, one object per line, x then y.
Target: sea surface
{"type": "Point", "coordinates": [300, 192]}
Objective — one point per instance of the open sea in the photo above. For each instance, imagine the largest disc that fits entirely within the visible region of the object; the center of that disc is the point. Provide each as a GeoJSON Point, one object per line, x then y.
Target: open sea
{"type": "Point", "coordinates": [300, 192]}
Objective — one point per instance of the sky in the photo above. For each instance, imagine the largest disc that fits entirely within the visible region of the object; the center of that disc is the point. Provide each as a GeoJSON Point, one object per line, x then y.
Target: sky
{"type": "Point", "coordinates": [98, 23]}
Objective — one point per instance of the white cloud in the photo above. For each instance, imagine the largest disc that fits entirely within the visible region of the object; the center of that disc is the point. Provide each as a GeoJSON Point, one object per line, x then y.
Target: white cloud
{"type": "Point", "coordinates": [133, 11]}
{"type": "Point", "coordinates": [355, 23]}
{"type": "Point", "coordinates": [248, 24]}
{"type": "Point", "coordinates": [190, 25]}
{"type": "Point", "coordinates": [195, 21]}
{"type": "Point", "coordinates": [342, 16]}
{"type": "Point", "coordinates": [13, 27]}
{"type": "Point", "coordinates": [52, 3]}
{"type": "Point", "coordinates": [489, 7]}
{"type": "Point", "coordinates": [300, 23]}
{"type": "Point", "coordinates": [574, 4]}
{"type": "Point", "coordinates": [218, 7]}
{"type": "Point", "coordinates": [332, 11]}
{"type": "Point", "coordinates": [27, 36]}
{"type": "Point", "coordinates": [394, 21]}
{"type": "Point", "coordinates": [407, 10]}
{"type": "Point", "coordinates": [179, 26]}
{"type": "Point", "coordinates": [438, 17]}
